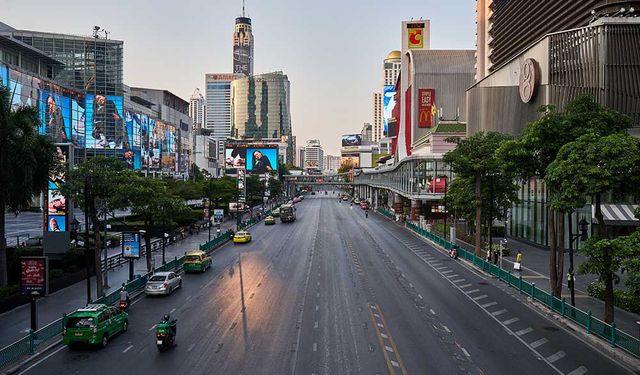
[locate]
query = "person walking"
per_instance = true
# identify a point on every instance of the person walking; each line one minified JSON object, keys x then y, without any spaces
{"x":518,"y":264}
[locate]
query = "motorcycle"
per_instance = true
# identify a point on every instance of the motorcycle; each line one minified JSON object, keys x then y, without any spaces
{"x":164,"y":336}
{"x":123,"y":305}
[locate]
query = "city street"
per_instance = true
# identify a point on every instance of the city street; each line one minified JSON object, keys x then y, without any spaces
{"x":337,"y":293}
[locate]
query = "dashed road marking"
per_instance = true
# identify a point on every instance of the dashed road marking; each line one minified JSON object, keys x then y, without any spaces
{"x":540,"y":342}
{"x":317,"y":307}
{"x":395,"y":364}
{"x":152,"y":327}
{"x":472,"y":291}
{"x":523,"y":332}
{"x":499,"y":312}
{"x":207,"y":326}
{"x":446,"y":328}
{"x":579,"y":371}
{"x":446,"y":272}
{"x":478,"y":298}
{"x":420,"y":296}
{"x":432,"y":312}
{"x":458,"y":281}
{"x":388,"y":348}
{"x":128,"y":348}
{"x":384,"y":336}
{"x":554,"y":357}
{"x":489,"y":304}
{"x":315,"y":347}
{"x":191,"y":347}
{"x":315,"y":325}
{"x":510,"y":321}
{"x":172,"y":311}
{"x":452,"y":276}
{"x":465,"y":351}
{"x":465,"y":286}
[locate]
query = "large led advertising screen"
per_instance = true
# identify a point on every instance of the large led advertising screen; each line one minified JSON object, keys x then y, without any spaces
{"x":256,"y":158}
{"x":55,"y":116}
{"x":388,"y":102}
{"x":57,"y":206}
{"x":241,"y":59}
{"x":351,"y":140}
{"x":104,"y":123}
{"x":349,"y":162}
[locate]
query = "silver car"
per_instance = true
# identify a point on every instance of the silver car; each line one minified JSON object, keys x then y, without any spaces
{"x":163,"y":283}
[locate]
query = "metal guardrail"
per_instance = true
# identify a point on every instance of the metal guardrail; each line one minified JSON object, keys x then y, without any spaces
{"x":28,"y":344}
{"x":117,"y":260}
{"x":595,"y":326}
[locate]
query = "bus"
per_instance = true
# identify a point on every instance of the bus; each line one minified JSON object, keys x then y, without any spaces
{"x":287,"y":213}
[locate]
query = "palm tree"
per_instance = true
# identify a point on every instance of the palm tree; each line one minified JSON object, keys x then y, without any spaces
{"x":25,"y":161}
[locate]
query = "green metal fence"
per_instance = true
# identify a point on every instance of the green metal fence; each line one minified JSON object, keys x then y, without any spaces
{"x":28,"y":344}
{"x":608,"y":332}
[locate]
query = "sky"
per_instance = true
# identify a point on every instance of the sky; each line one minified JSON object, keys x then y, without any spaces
{"x":331,"y":50}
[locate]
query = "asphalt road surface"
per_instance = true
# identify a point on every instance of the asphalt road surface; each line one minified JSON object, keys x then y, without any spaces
{"x":337,"y":293}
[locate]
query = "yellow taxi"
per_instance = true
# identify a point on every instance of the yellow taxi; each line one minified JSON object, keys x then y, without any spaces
{"x":242,"y":237}
{"x":196,"y":261}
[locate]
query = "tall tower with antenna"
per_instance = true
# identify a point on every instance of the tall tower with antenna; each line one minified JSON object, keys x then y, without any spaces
{"x":243,"y":45}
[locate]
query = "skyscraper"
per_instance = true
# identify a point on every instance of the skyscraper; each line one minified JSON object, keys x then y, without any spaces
{"x":218,"y":107}
{"x":196,"y":109}
{"x":377,"y":116}
{"x":313,"y":156}
{"x":243,"y":46}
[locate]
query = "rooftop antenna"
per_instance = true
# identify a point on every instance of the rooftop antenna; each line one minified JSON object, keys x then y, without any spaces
{"x":243,"y":8}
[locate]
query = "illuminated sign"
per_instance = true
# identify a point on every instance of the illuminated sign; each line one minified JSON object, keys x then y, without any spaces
{"x":130,"y":245}
{"x":33,"y":276}
{"x":415,"y":35}
{"x":426,"y":107}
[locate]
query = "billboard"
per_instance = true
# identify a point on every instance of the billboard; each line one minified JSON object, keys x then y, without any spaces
{"x":415,"y":35}
{"x":33,"y":276}
{"x":388,"y":102}
{"x":256,"y":158}
{"x":426,"y":107}
{"x":349,"y":161}
{"x":241,"y":185}
{"x":242,"y":59}
{"x":351,"y":140}
{"x":55,"y":116}
{"x":131,"y":245}
{"x":218,"y":215}
{"x":55,"y":218}
{"x":104,"y":122}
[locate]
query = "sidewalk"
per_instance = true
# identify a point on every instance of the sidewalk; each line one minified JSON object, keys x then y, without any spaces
{"x":14,"y":324}
{"x":535,"y":269}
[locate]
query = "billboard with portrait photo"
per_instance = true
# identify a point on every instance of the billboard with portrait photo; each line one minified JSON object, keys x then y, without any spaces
{"x":104,"y":122}
{"x":262,"y":160}
{"x":55,"y":116}
{"x":234,"y":157}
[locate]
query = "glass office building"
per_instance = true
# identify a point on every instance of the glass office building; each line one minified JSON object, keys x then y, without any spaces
{"x":260,"y":107}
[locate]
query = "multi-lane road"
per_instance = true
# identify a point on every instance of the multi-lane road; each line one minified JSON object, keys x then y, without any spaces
{"x":337,"y":293}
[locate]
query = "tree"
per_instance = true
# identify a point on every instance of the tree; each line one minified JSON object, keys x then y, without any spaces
{"x":151,"y":200}
{"x":475,"y":158}
{"x":255,"y":189}
{"x":275,"y":187}
{"x":591,"y":166}
{"x":25,"y":161}
{"x":537,"y":147}
{"x":99,"y":178}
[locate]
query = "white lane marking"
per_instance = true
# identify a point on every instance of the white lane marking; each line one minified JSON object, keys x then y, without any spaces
{"x":43,"y":359}
{"x":420,"y":296}
{"x":188,"y":298}
{"x":315,"y":347}
{"x":510,"y":321}
{"x":446,"y":272}
{"x":452,"y":276}
{"x":380,"y":325}
{"x":554,"y":357}
{"x":446,"y":328}
{"x":395,"y":364}
{"x":540,"y":342}
{"x":410,"y":285}
{"x":374,"y":307}
{"x":441,"y":268}
{"x":191,"y":347}
{"x":152,"y":327}
{"x":465,"y":286}
{"x":432,"y":312}
{"x":318,"y":294}
{"x":172,"y":310}
{"x":478,"y":298}
{"x":128,"y":348}
{"x":318,"y":283}
{"x":523,"y":332}
{"x":207,"y":326}
{"x":579,"y":371}
{"x":317,"y":307}
{"x":388,"y":348}
{"x":489,"y":304}
{"x":472,"y":291}
{"x":465,"y":351}
{"x":499,"y":312}
{"x":383,"y":335}
{"x":315,"y":325}
{"x":458,"y":281}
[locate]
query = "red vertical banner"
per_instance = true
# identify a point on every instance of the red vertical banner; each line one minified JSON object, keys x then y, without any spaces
{"x":426,"y":102}
{"x":407,"y":121}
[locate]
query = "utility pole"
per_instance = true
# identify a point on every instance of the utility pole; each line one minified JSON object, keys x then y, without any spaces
{"x":86,"y":236}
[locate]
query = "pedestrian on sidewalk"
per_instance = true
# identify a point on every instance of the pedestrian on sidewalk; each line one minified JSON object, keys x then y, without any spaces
{"x":518,"y":264}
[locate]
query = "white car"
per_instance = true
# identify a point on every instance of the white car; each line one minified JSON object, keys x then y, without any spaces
{"x":163,"y":283}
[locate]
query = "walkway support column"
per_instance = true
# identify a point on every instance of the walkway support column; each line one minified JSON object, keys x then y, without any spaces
{"x":398,"y":204}
{"x":416,"y":209}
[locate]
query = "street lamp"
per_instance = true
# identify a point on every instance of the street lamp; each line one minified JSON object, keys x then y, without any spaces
{"x":583,"y":235}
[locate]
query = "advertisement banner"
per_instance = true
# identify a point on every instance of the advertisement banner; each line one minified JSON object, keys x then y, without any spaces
{"x":104,"y":123}
{"x":55,"y":218}
{"x":131,"y":245}
{"x":426,"y":107}
{"x":241,"y":185}
{"x":415,"y":35}
{"x":33,"y":276}
{"x":351,"y":140}
{"x":388,"y":102}
{"x":241,"y":59}
{"x":55,"y":116}
{"x":254,"y":158}
{"x":218,"y":215}
{"x":349,"y":162}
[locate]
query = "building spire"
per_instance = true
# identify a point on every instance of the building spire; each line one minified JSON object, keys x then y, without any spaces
{"x":242,"y":8}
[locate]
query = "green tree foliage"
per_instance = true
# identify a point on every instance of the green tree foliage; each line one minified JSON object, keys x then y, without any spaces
{"x":530,"y":155}
{"x":154,"y":203}
{"x":255,"y":190}
{"x":461,"y":198}
{"x":275,"y":187}
{"x":99,"y":178}
{"x":25,"y":161}
{"x":186,"y":189}
{"x":474,"y":159}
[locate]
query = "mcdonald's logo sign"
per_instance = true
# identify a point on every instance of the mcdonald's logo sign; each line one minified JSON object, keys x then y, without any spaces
{"x":426,"y":106}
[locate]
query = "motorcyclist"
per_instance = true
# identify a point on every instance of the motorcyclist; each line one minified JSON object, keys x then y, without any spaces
{"x":124,"y":295}
{"x":366,"y":213}
{"x":173,"y":323}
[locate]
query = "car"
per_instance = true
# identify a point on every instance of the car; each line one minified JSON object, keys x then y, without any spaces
{"x":364,"y":205}
{"x":356,"y":201}
{"x":269,"y":220}
{"x":196,"y":261}
{"x":275,"y":212}
{"x":313,"y":193}
{"x":345,"y":198}
{"x":242,"y":237}
{"x":163,"y":283}
{"x":94,"y":324}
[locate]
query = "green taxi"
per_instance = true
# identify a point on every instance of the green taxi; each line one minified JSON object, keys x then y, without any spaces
{"x":275,"y":212}
{"x":196,"y":261}
{"x":269,"y":220}
{"x":94,"y":324}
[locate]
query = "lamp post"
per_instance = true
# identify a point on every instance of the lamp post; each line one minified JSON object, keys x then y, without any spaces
{"x":584,"y":225}
{"x":445,"y":207}
{"x":210,"y":209}
{"x":86,"y":236}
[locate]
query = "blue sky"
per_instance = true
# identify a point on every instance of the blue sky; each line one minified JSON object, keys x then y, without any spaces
{"x":331,"y":50}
